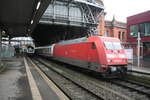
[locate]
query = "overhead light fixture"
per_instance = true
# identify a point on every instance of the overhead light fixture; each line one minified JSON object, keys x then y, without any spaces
{"x":38,"y":5}
{"x":31,"y":21}
{"x":29,"y":30}
{"x":3,"y":32}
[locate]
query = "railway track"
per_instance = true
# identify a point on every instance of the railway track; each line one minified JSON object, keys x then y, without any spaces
{"x":139,"y":77}
{"x":134,"y":86}
{"x":129,"y":90}
{"x":142,"y":73}
{"x":93,"y":86}
{"x":137,"y":73}
{"x":2,"y":68}
{"x":78,"y":91}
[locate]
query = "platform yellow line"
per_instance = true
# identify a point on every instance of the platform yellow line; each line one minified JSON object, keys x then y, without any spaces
{"x":58,"y":92}
{"x":34,"y":89}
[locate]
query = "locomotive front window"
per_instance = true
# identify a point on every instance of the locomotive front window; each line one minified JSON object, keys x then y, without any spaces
{"x":117,"y":45}
{"x":112,"y":45}
{"x":109,"y":45}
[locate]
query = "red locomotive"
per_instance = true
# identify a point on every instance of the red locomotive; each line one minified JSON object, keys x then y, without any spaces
{"x":104,"y":55}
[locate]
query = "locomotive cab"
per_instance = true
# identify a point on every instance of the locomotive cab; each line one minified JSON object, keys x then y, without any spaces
{"x":115,"y":56}
{"x":111,"y":55}
{"x":103,"y":55}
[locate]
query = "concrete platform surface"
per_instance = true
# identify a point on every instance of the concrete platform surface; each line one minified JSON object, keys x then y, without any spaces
{"x":13,"y":81}
{"x":22,"y":81}
{"x":144,"y":66}
{"x":141,"y":69}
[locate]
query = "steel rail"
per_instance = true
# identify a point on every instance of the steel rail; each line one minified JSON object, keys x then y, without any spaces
{"x":117,"y":94}
{"x":134,"y":86}
{"x":133,"y":71}
{"x":74,"y":82}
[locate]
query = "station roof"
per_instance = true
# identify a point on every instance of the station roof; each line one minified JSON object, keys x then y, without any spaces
{"x":19,"y":17}
{"x":95,"y":3}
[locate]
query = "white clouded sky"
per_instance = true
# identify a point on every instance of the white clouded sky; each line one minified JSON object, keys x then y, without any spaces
{"x":124,"y":8}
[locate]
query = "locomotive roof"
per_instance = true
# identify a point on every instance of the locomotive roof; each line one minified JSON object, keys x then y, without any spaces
{"x":78,"y":40}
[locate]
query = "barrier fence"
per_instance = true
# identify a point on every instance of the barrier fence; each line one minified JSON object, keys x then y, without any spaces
{"x":6,"y":51}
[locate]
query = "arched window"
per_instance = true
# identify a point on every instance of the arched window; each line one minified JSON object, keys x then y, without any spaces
{"x":107,"y":33}
{"x":123,"y":33}
{"x":119,"y":35}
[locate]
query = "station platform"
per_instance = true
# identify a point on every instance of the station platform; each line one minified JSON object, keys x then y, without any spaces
{"x":143,"y":68}
{"x":20,"y":81}
{"x":13,"y":81}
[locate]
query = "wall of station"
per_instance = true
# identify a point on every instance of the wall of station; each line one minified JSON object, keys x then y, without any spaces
{"x":63,"y":13}
{"x":139,"y":23}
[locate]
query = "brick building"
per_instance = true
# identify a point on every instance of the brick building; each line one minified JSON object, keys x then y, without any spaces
{"x":112,"y":28}
{"x":139,"y":22}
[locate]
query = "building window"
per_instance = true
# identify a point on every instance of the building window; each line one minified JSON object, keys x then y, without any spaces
{"x":122,"y":35}
{"x":119,"y":35}
{"x":134,"y":30}
{"x":106,"y":33}
{"x":144,"y":29}
{"x":147,"y":29}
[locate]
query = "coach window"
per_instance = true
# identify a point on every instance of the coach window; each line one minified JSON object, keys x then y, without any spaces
{"x":49,"y":49}
{"x":93,"y":46}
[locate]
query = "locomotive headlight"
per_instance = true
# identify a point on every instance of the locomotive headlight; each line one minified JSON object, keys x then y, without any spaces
{"x":129,"y":68}
{"x":109,"y":60}
{"x":113,"y":69}
{"x":110,"y":56}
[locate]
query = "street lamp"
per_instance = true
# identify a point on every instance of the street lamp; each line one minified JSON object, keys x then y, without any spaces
{"x":139,"y":38}
{"x":138,"y":45}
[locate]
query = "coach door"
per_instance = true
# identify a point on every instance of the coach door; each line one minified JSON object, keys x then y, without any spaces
{"x":92,"y":56}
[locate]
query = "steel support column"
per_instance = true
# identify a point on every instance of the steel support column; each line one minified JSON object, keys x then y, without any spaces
{"x":9,"y":40}
{"x":1,"y":64}
{"x":0,"y":36}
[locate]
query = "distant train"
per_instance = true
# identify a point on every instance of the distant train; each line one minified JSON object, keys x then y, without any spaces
{"x":104,"y":55}
{"x":30,"y":50}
